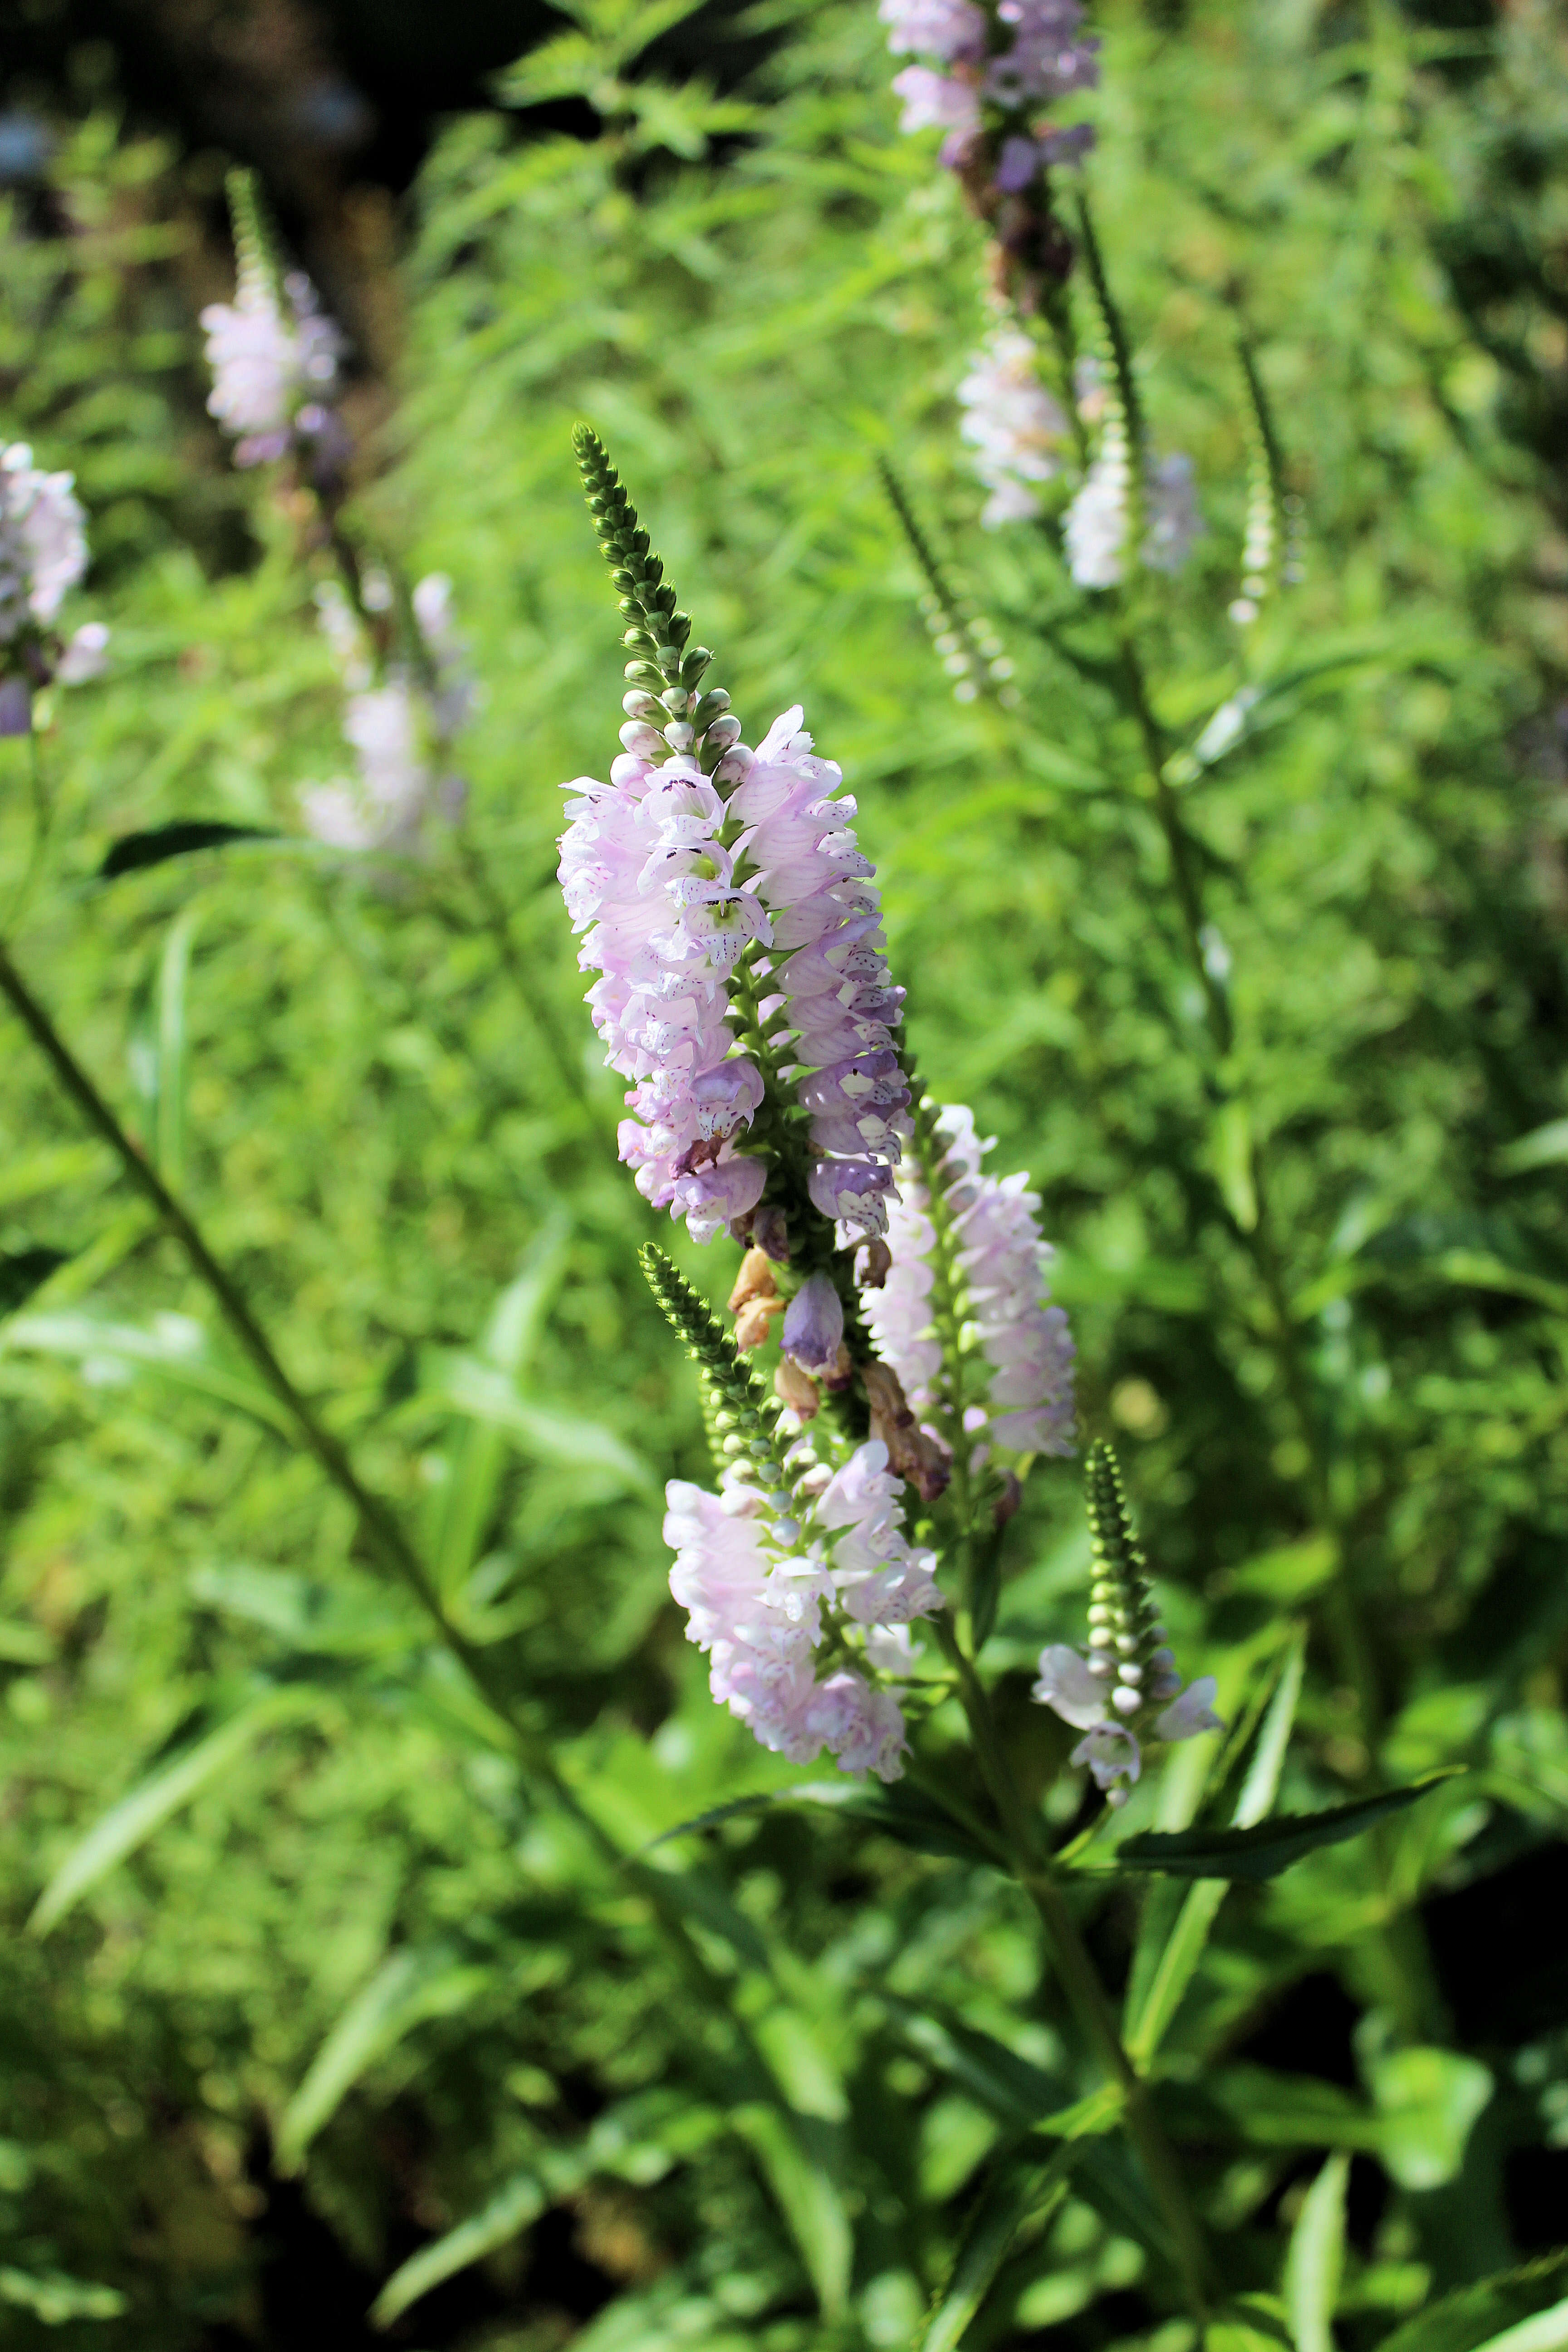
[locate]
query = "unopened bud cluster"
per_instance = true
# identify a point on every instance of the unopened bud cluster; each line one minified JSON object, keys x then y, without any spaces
{"x":1126,"y":1638}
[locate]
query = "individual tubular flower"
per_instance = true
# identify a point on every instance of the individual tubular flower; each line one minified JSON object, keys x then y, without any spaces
{"x":1127,"y":1691}
{"x":991,"y":1255}
{"x":272,"y":350}
{"x":767,"y":1570}
{"x":1013,"y":424}
{"x":828,"y":970}
{"x":400,"y":725}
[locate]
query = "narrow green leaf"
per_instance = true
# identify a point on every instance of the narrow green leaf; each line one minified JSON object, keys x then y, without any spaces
{"x":418,"y":1983}
{"x":1254,"y":1854}
{"x":1547,"y":2332}
{"x":1015,"y":2192}
{"x":55,"y":2298}
{"x":1231,"y":1154}
{"x":476,"y":1455}
{"x":174,"y":1348}
{"x":1485,"y":2317}
{"x":1544,"y":1146}
{"x":1178,"y":1961}
{"x":484,"y":1392}
{"x":182,"y":838}
{"x":24,"y":1271}
{"x":49,"y":1171}
{"x":348,"y":1616}
{"x":133,"y":1820}
{"x":808,"y":2195}
{"x":902,"y":1811}
{"x":173,"y":971}
{"x":1316,"y":2258}
{"x":515,"y":2204}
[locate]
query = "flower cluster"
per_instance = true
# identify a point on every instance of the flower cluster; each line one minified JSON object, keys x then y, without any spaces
{"x":828,"y":975}
{"x":764,"y":1594}
{"x":43,"y":555}
{"x":400,"y":723}
{"x":1127,"y":1690}
{"x":1096,"y":524}
{"x":274,"y":369}
{"x":1000,"y":1265}
{"x":1013,"y":424}
{"x":996,"y":66}
{"x":647,"y":878}
{"x":274,"y":355}
{"x":712,"y":882}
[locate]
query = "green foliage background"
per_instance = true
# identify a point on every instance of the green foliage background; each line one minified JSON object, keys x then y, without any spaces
{"x":384,"y":1105}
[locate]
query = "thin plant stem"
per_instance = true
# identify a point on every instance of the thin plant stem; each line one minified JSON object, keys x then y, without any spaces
{"x":378,"y":1523}
{"x":1080,"y":1983}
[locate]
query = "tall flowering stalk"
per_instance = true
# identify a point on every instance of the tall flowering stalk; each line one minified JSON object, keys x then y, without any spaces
{"x":742,"y":988}
{"x":274,"y":355}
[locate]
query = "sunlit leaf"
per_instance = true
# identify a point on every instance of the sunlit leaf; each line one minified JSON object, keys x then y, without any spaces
{"x":518,"y":2202}
{"x":416,"y":1982}
{"x":1497,"y":2316}
{"x":1017,"y":2191}
{"x":1316,"y":2259}
{"x":174,"y":1783}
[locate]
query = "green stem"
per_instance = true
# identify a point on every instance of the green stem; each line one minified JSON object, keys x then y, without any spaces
{"x":1080,"y":1983}
{"x":380,"y":1527}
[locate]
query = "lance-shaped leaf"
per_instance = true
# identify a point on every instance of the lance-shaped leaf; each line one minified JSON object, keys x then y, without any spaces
{"x":486,"y":1394}
{"x":182,"y":837}
{"x":1518,"y":2311}
{"x":174,"y":1783}
{"x":1262,"y":1853}
{"x":1160,"y":1995}
{"x":173,"y":1347}
{"x":1316,"y":2258}
{"x":795,"y":2155}
{"x":24,"y":1271}
{"x":417,"y":1982}
{"x":515,"y":2204}
{"x":1020,"y":2188}
{"x":904,"y":1813}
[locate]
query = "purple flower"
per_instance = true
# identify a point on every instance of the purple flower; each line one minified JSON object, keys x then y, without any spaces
{"x":828,"y":967}
{"x":756,"y":1600}
{"x":16,"y":707}
{"x":43,"y":542}
{"x":952,"y":30}
{"x":934,"y":102}
{"x":646,"y":877}
{"x":1015,"y":165}
{"x":1014,"y":426}
{"x":1079,"y":1690}
{"x":814,"y":1325}
{"x":1004,"y":1267}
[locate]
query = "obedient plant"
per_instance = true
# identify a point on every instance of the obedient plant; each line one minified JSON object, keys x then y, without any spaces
{"x":43,"y":555}
{"x":403,"y":665}
{"x":743,"y":991}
